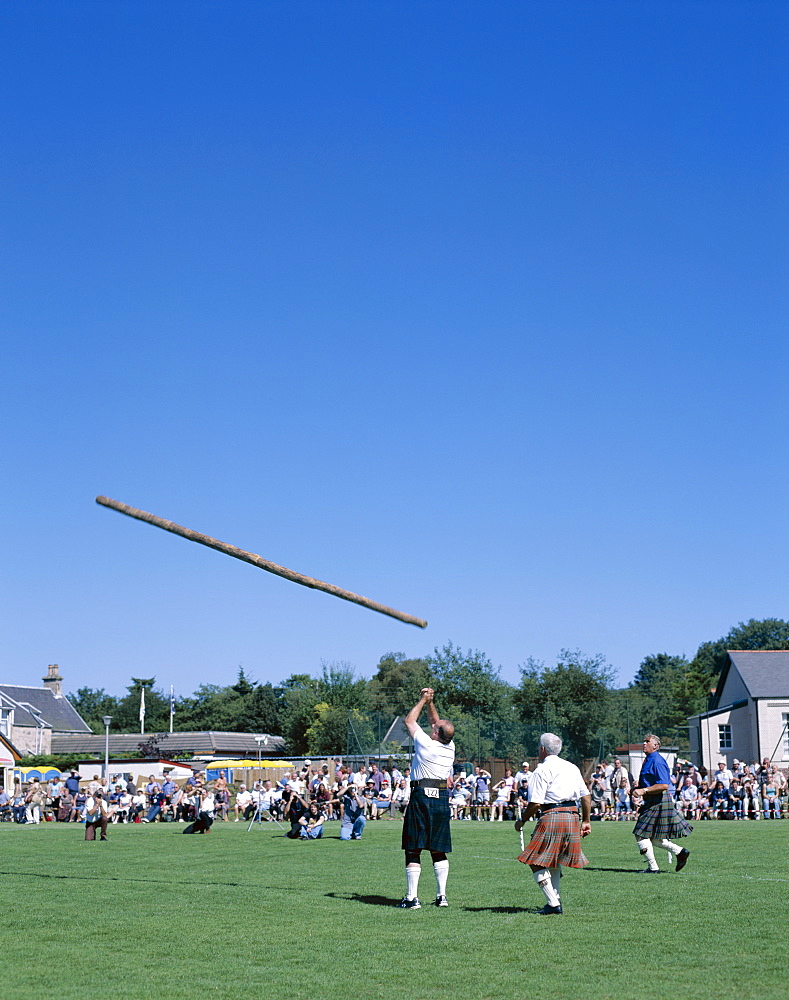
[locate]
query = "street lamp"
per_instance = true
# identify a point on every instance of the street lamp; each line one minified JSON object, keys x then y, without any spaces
{"x":106,"y":720}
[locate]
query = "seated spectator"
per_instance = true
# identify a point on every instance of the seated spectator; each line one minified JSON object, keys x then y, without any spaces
{"x":752,"y":803}
{"x":137,"y":806}
{"x":719,"y":801}
{"x":400,"y":796}
{"x":737,"y":799}
{"x":352,"y":821}
{"x":459,"y":800}
{"x":222,"y":800}
{"x":79,"y":804}
{"x":243,"y":801}
{"x":18,"y":806}
{"x":124,"y":807}
{"x":157,"y":802}
{"x":703,"y":801}
{"x":688,"y":799}
{"x":113,"y":803}
{"x":368,"y":794}
{"x":66,"y":806}
{"x":771,"y":799}
{"x":383,"y":801}
{"x":6,"y":811}
{"x":312,"y":823}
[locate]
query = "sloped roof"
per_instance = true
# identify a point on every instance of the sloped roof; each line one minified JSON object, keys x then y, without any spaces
{"x":56,"y":713}
{"x":765,"y":672}
{"x":397,"y":733}
{"x":217,"y":744}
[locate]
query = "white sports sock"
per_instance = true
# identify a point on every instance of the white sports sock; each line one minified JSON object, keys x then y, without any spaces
{"x":543,"y":879}
{"x":441,"y":868}
{"x":412,"y":873}
{"x":556,"y":874}
{"x":667,"y":845}
{"x":646,"y":848}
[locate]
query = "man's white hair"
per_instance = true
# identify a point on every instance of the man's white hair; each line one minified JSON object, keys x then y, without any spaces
{"x":551,"y":742}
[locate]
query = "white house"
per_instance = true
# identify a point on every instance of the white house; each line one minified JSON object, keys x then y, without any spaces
{"x":750,"y":712}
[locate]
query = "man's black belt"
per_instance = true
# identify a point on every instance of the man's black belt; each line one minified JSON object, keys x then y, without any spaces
{"x":428,"y":783}
{"x":558,"y":805}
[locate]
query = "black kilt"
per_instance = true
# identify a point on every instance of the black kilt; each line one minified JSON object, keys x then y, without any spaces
{"x":426,"y":822}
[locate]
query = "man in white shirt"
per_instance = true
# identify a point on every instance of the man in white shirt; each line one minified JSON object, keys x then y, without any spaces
{"x":426,"y":820}
{"x":243,"y":800}
{"x":555,"y":789}
{"x":723,"y":774}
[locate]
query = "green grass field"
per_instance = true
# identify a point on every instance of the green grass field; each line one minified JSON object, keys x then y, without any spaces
{"x":151,"y":913}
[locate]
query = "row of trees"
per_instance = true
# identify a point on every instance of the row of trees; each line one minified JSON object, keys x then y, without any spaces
{"x":339,"y":712}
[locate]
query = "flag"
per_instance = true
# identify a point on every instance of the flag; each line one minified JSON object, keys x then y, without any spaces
{"x":142,"y":708}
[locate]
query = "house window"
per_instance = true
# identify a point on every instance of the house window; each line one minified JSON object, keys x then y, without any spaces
{"x":724,"y":737}
{"x":785,"y":718}
{"x":5,"y":721}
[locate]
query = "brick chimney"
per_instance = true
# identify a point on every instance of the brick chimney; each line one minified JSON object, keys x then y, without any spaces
{"x":53,"y":680}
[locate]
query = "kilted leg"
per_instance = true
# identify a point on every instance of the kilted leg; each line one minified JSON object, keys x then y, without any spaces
{"x":556,"y":840}
{"x":661,"y":821}
{"x":426,"y":822}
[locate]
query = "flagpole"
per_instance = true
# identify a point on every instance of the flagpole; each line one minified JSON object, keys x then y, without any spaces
{"x":172,"y":707}
{"x":142,"y":710}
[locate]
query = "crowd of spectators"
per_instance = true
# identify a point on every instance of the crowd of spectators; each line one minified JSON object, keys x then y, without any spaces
{"x":305,"y":799}
{"x":743,"y":792}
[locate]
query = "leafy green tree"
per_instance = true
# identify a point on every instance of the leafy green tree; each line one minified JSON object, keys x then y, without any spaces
{"x":570,"y":699}
{"x":394,"y":688}
{"x":157,"y":708}
{"x":93,"y":704}
{"x":467,"y":682}
{"x":710,"y":658}
{"x":300,"y":694}
{"x":340,"y":688}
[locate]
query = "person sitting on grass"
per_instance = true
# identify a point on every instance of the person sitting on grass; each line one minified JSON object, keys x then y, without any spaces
{"x":312,"y":823}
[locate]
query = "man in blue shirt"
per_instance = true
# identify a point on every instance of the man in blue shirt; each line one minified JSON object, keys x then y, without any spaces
{"x":658,"y":819}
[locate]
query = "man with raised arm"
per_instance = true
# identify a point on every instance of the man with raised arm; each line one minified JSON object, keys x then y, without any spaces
{"x":426,"y":820}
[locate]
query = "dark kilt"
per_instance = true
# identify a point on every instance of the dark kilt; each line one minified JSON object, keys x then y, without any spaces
{"x":661,"y":820}
{"x":426,"y":822}
{"x":556,"y":840}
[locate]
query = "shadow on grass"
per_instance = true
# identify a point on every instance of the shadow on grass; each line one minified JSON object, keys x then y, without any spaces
{"x":500,"y":909}
{"x":355,"y":897}
{"x":626,"y":871}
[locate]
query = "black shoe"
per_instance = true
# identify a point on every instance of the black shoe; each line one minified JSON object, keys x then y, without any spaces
{"x":441,"y":901}
{"x":410,"y":904}
{"x":649,"y":871}
{"x":549,"y":911}
{"x":682,"y":859}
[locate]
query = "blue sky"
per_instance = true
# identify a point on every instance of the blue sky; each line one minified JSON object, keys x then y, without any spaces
{"x":478,"y":310}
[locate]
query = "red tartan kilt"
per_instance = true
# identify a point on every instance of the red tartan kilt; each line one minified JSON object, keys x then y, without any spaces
{"x":556,"y":840}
